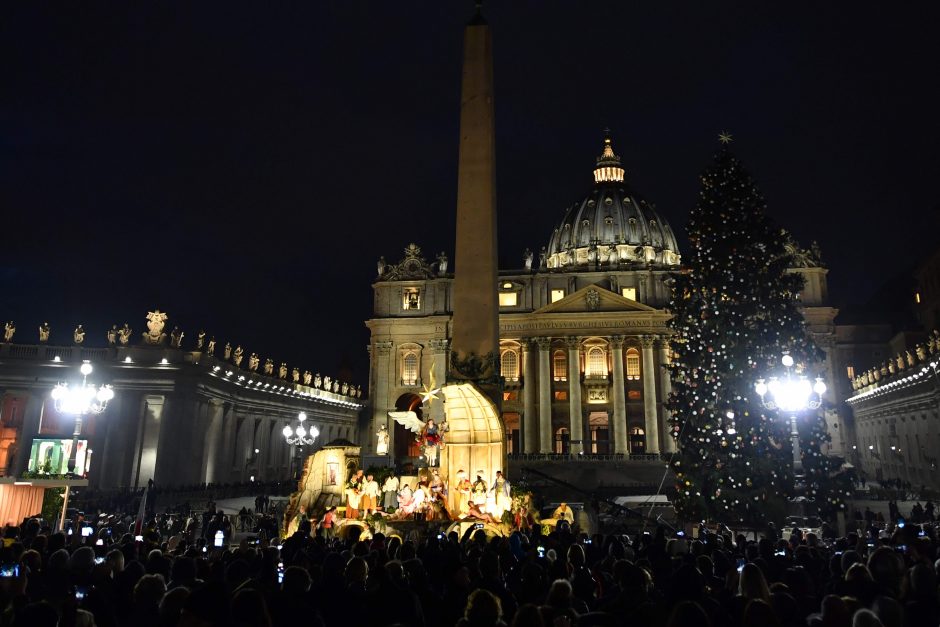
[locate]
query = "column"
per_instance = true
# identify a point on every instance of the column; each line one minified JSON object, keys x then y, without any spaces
{"x":381,"y":364}
{"x":665,"y":389}
{"x":649,"y":396}
{"x":619,"y":422}
{"x":529,"y":427}
{"x":148,"y":439}
{"x":545,"y":395}
{"x":574,"y":395}
{"x":213,"y":440}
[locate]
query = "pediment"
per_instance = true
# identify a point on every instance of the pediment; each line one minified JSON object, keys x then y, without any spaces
{"x":594,"y":298}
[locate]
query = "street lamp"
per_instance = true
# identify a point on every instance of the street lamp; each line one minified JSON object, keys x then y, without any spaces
{"x":299,"y":436}
{"x":80,"y":402}
{"x":791,"y":394}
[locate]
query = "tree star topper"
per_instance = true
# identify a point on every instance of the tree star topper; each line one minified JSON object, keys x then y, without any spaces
{"x":725,"y":137}
{"x":430,"y":391}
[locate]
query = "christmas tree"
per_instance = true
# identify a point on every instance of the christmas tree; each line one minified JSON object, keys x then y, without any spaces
{"x":736,"y":312}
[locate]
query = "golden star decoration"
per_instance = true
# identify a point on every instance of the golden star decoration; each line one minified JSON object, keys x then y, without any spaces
{"x":429,"y":394}
{"x":725,"y":137}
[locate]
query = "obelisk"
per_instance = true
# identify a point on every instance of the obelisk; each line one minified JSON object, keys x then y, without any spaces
{"x":475,"y":338}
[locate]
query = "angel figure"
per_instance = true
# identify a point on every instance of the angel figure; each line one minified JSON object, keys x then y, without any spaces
{"x":429,"y":435}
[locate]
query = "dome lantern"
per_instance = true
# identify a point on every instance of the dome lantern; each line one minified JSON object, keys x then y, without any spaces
{"x":609,"y":169}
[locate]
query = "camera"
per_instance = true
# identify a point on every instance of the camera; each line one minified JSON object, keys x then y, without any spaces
{"x":741,"y":563}
{"x":440,"y":536}
{"x":87,"y":531}
{"x":541,"y":551}
{"x":588,"y":541}
{"x":99,"y":542}
{"x":99,"y":560}
{"x":680,"y":534}
{"x":80,"y":594}
{"x":478,"y":526}
{"x":780,"y":553}
{"x":138,"y":538}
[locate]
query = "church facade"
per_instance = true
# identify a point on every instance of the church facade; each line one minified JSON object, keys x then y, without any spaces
{"x":583,"y":338}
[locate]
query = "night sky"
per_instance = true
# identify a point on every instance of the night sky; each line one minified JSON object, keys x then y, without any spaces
{"x":243,"y":165}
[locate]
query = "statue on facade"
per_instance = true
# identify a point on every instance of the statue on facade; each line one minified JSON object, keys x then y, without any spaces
{"x":543,"y":257}
{"x":381,"y":446}
{"x":910,"y":358}
{"x":877,"y":374}
{"x":282,"y":371}
{"x":253,"y":362}
{"x":358,"y":391}
{"x":155,"y":323}
{"x":921,"y":353}
{"x":900,"y":361}
{"x":931,"y":344}
{"x":237,"y":355}
{"x":78,"y":334}
{"x":613,"y":257}
{"x":317,"y":381}
{"x":200,"y":339}
{"x":269,"y":366}
{"x":227,"y":351}
{"x":527,"y":258}
{"x":344,"y":389}
{"x":891,"y":367}
{"x":210,"y":347}
{"x":326,"y":383}
{"x":336,"y":386}
{"x":308,"y":377}
{"x":295,"y":375}
{"x":176,"y":338}
{"x":884,"y":370}
{"x":112,"y":335}
{"x":44,"y":331}
{"x":380,"y":266}
{"x":8,"y":330}
{"x":441,"y":263}
{"x":124,"y":334}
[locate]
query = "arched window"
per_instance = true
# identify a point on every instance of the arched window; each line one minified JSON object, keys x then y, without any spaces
{"x":562,"y":441}
{"x":633,"y":364}
{"x":560,"y":366}
{"x":509,"y":365}
{"x":596,"y":362}
{"x":637,"y":441}
{"x":409,"y":369}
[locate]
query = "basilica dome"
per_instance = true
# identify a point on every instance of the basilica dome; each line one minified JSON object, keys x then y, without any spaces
{"x":612,"y":226}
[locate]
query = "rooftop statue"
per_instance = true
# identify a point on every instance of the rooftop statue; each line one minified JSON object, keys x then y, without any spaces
{"x":176,"y":338}
{"x":282,"y":371}
{"x":78,"y":334}
{"x":308,"y":377}
{"x":527,"y":258}
{"x":441,"y":263}
{"x":238,"y":355}
{"x":268,"y":366}
{"x":317,"y":381}
{"x":227,"y":351}
{"x":253,"y":362}
{"x":112,"y":335}
{"x":200,"y":339}
{"x":155,"y":323}
{"x":124,"y":334}
{"x":8,"y":330}
{"x":210,"y":347}
{"x":295,"y":375}
{"x":44,"y":331}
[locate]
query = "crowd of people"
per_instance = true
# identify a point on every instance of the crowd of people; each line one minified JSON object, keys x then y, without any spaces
{"x":881,"y":576}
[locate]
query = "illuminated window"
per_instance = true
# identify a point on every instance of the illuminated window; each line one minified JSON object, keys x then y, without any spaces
{"x":562,"y":441}
{"x":409,"y":369}
{"x":560,"y":366}
{"x":511,"y":396}
{"x":596,"y":362}
{"x":411,"y":298}
{"x":850,"y":371}
{"x":561,"y":395}
{"x":507,"y":286}
{"x":917,"y":297}
{"x":634,"y":395}
{"x":509,"y":364}
{"x":557,"y":295}
{"x":628,"y":292}
{"x":633,"y":364}
{"x":508,"y":299}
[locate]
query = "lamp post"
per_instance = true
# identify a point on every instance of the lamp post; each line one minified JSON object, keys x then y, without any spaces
{"x":792,"y":394}
{"x":299,"y":436}
{"x":80,"y":402}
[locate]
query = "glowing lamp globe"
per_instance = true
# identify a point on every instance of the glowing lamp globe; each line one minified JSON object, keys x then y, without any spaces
{"x":85,"y":369}
{"x":287,"y":431}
